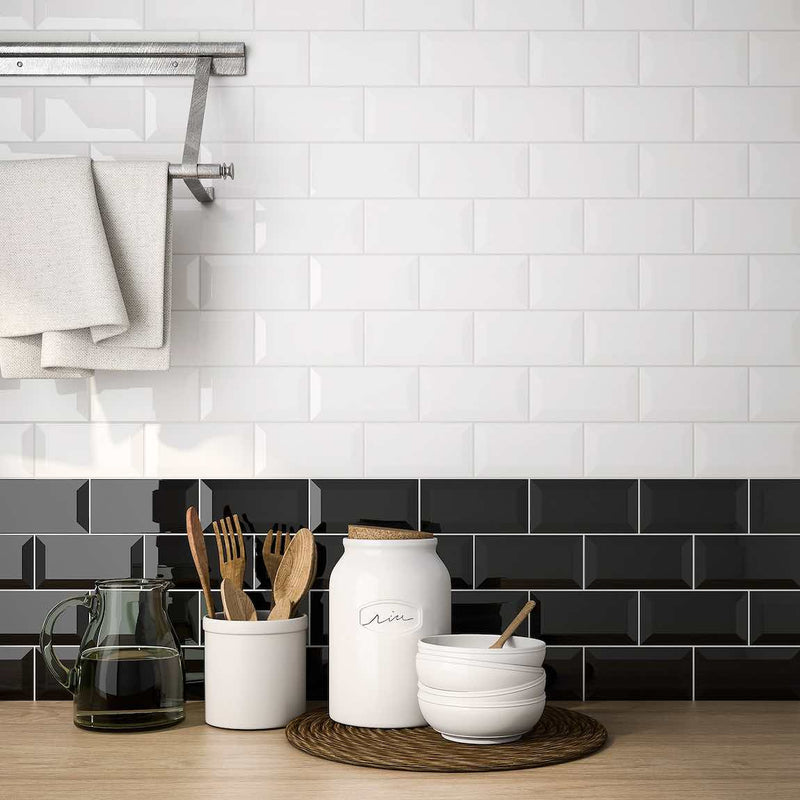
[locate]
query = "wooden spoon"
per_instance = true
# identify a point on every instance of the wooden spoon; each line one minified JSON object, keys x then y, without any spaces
{"x":513,"y":625}
{"x":197,"y":544}
{"x":236,"y":604}
{"x":295,"y":574}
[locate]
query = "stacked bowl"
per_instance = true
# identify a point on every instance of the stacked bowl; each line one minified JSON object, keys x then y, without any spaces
{"x":475,"y":695}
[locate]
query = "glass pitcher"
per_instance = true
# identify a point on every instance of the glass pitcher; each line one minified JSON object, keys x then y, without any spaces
{"x":129,"y":670}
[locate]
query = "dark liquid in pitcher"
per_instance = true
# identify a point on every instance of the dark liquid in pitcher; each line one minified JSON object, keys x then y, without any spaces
{"x":125,"y":688}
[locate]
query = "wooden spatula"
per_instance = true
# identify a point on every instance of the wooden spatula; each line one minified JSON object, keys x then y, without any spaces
{"x":236,"y":604}
{"x":513,"y":625}
{"x":197,"y":544}
{"x":295,"y":574}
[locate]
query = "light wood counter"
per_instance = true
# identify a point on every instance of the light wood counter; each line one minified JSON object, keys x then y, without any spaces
{"x":703,"y":751}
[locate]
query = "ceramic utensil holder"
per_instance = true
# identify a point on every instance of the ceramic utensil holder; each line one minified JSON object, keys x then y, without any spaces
{"x":255,"y":672}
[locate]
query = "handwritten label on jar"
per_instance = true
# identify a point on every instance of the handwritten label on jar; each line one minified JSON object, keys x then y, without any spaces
{"x":390,"y":616}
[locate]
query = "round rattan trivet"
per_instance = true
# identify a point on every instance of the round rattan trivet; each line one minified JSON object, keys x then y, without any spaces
{"x":561,"y":735}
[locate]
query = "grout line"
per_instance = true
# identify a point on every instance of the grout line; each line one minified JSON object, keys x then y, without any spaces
{"x":583,"y":674}
{"x":694,"y":658}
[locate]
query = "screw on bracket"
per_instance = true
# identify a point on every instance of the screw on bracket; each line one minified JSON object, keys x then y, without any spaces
{"x":19,"y":63}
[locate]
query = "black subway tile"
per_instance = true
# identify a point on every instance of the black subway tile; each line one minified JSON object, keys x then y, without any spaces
{"x":262,"y":505}
{"x":16,"y":562}
{"x":584,"y":506}
{"x":775,"y":618}
{"x":456,"y":553}
{"x":694,"y":618}
{"x":487,"y":612}
{"x":183,"y":611}
{"x":752,"y":673}
{"x":475,"y":506}
{"x":528,"y":562}
{"x":694,"y":506}
{"x":77,"y":562}
{"x":318,"y":604}
{"x":44,"y":506}
{"x":329,"y":550}
{"x":142,"y":506}
{"x":638,"y":562}
{"x":335,"y":504}
{"x":775,"y":506}
{"x":747,"y":562}
{"x":638,"y":673}
{"x":316,"y":674}
{"x":585,"y":617}
{"x":16,"y":673}
{"x":22,"y":613}
{"x":47,"y":687}
{"x":193,"y":664}
{"x":564,"y":669}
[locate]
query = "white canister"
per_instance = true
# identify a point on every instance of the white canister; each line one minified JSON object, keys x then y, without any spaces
{"x":385,"y":594}
{"x":255,"y":672}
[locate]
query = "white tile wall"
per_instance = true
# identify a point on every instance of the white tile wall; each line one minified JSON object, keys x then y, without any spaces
{"x":466,"y":238}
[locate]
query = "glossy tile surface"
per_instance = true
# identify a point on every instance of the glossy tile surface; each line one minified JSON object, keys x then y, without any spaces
{"x":528,"y":562}
{"x":76,"y":562}
{"x":563,"y":667}
{"x":456,"y":553}
{"x":261,"y":504}
{"x":775,"y":618}
{"x":747,"y":562}
{"x":487,"y":612}
{"x":694,"y":618}
{"x":638,"y":562}
{"x":585,"y":618}
{"x":16,"y":673}
{"x":316,"y":673}
{"x":774,"y":506}
{"x":47,"y":687}
{"x":633,"y":673}
{"x":44,"y":506}
{"x":16,"y":562}
{"x":142,"y":506}
{"x":475,"y":506}
{"x":757,"y":673}
{"x":694,"y":506}
{"x":23,"y":611}
{"x":337,"y":503}
{"x":588,"y":506}
{"x":193,"y":664}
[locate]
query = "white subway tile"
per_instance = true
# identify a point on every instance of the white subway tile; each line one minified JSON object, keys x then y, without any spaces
{"x":243,"y":394}
{"x":775,"y":394}
{"x":775,"y":170}
{"x":17,"y":15}
{"x":584,"y":58}
{"x":583,"y":282}
{"x":584,"y":394}
{"x":541,"y":450}
{"x":16,"y":450}
{"x":83,"y":113}
{"x":418,"y":114}
{"x":218,"y":449}
{"x":474,"y":58}
{"x":364,"y":394}
{"x":474,"y":394}
{"x":473,"y":170}
{"x":584,"y":170}
{"x":693,"y":170}
{"x":528,"y":14}
{"x":693,"y":394}
{"x":529,"y":115}
{"x":528,"y":226}
{"x":276,"y":58}
{"x":228,"y":117}
{"x":473,"y":282}
{"x":763,"y":450}
{"x":16,"y":151}
{"x":364,"y":170}
{"x":169,"y":396}
{"x":743,"y":14}
{"x":418,"y":226}
{"x":86,"y":450}
{"x":209,"y":14}
{"x":309,"y":14}
{"x":412,"y":450}
{"x":775,"y":282}
{"x":774,"y":59}
{"x":647,"y":450}
{"x":747,"y":114}
{"x":212,"y":338}
{"x":309,"y":226}
{"x":312,"y":114}
{"x":79,"y":14}
{"x":418,"y":337}
{"x":696,"y":58}
{"x":746,"y":226}
{"x":185,"y":282}
{"x":422,"y":14}
{"x":638,"y":114}
{"x":638,"y":226}
{"x":528,"y":337}
{"x":364,"y":58}
{"x":638,"y":337}
{"x":636,"y":14}
{"x":224,"y":226}
{"x":253,"y":282}
{"x":364,"y":282}
{"x":309,"y":337}
{"x":689,"y":282}
{"x":44,"y":401}
{"x":747,"y":337}
{"x":16,"y":114}
{"x":300,"y":449}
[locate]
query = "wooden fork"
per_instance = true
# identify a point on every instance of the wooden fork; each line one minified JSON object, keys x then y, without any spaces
{"x":230,"y":547}
{"x":274,"y":547}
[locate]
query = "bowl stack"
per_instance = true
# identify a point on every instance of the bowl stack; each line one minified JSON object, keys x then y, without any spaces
{"x":475,"y":695}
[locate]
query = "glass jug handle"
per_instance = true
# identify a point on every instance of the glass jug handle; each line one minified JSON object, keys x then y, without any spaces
{"x":60,"y":672}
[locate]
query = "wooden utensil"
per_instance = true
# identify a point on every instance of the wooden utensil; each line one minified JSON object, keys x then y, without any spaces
{"x":230,"y":546}
{"x":275,"y":545}
{"x":513,"y":625}
{"x":197,"y":544}
{"x":236,"y":604}
{"x":295,"y":574}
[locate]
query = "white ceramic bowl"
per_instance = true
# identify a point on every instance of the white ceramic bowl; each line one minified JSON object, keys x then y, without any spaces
{"x":459,"y":675}
{"x":515,"y":694}
{"x":518,"y":650}
{"x":475,"y":725}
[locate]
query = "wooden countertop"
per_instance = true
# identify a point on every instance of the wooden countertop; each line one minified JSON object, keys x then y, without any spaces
{"x":703,"y":751}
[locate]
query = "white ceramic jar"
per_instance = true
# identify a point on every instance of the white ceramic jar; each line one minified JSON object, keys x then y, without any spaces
{"x":385,"y":594}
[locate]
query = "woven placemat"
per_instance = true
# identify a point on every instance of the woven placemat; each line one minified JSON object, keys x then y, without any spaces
{"x":561,"y":735}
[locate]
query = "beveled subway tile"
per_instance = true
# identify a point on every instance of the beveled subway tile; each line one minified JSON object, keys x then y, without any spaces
{"x":747,"y":562}
{"x":775,"y":618}
{"x":694,"y":506}
{"x":638,"y":562}
{"x":89,"y":113}
{"x":584,"y":506}
{"x":318,"y":627}
{"x":16,"y":673}
{"x":456,"y":553}
{"x":17,"y":114}
{"x":337,"y":503}
{"x":47,"y":687}
{"x":316,"y":673}
{"x":694,"y":618}
{"x":474,"y":506}
{"x":194,"y":666}
{"x":528,"y":562}
{"x":76,"y":562}
{"x":16,"y":562}
{"x":585,"y":617}
{"x":261,"y":504}
{"x":774,"y":507}
{"x":141,"y":506}
{"x":752,"y":673}
{"x":22,"y":612}
{"x":183,"y":610}
{"x":564,"y":669}
{"x":487,"y":612}
{"x":638,"y":673}
{"x":44,"y":506}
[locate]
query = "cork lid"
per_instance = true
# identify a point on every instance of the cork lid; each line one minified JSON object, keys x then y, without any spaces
{"x":372,"y":532}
